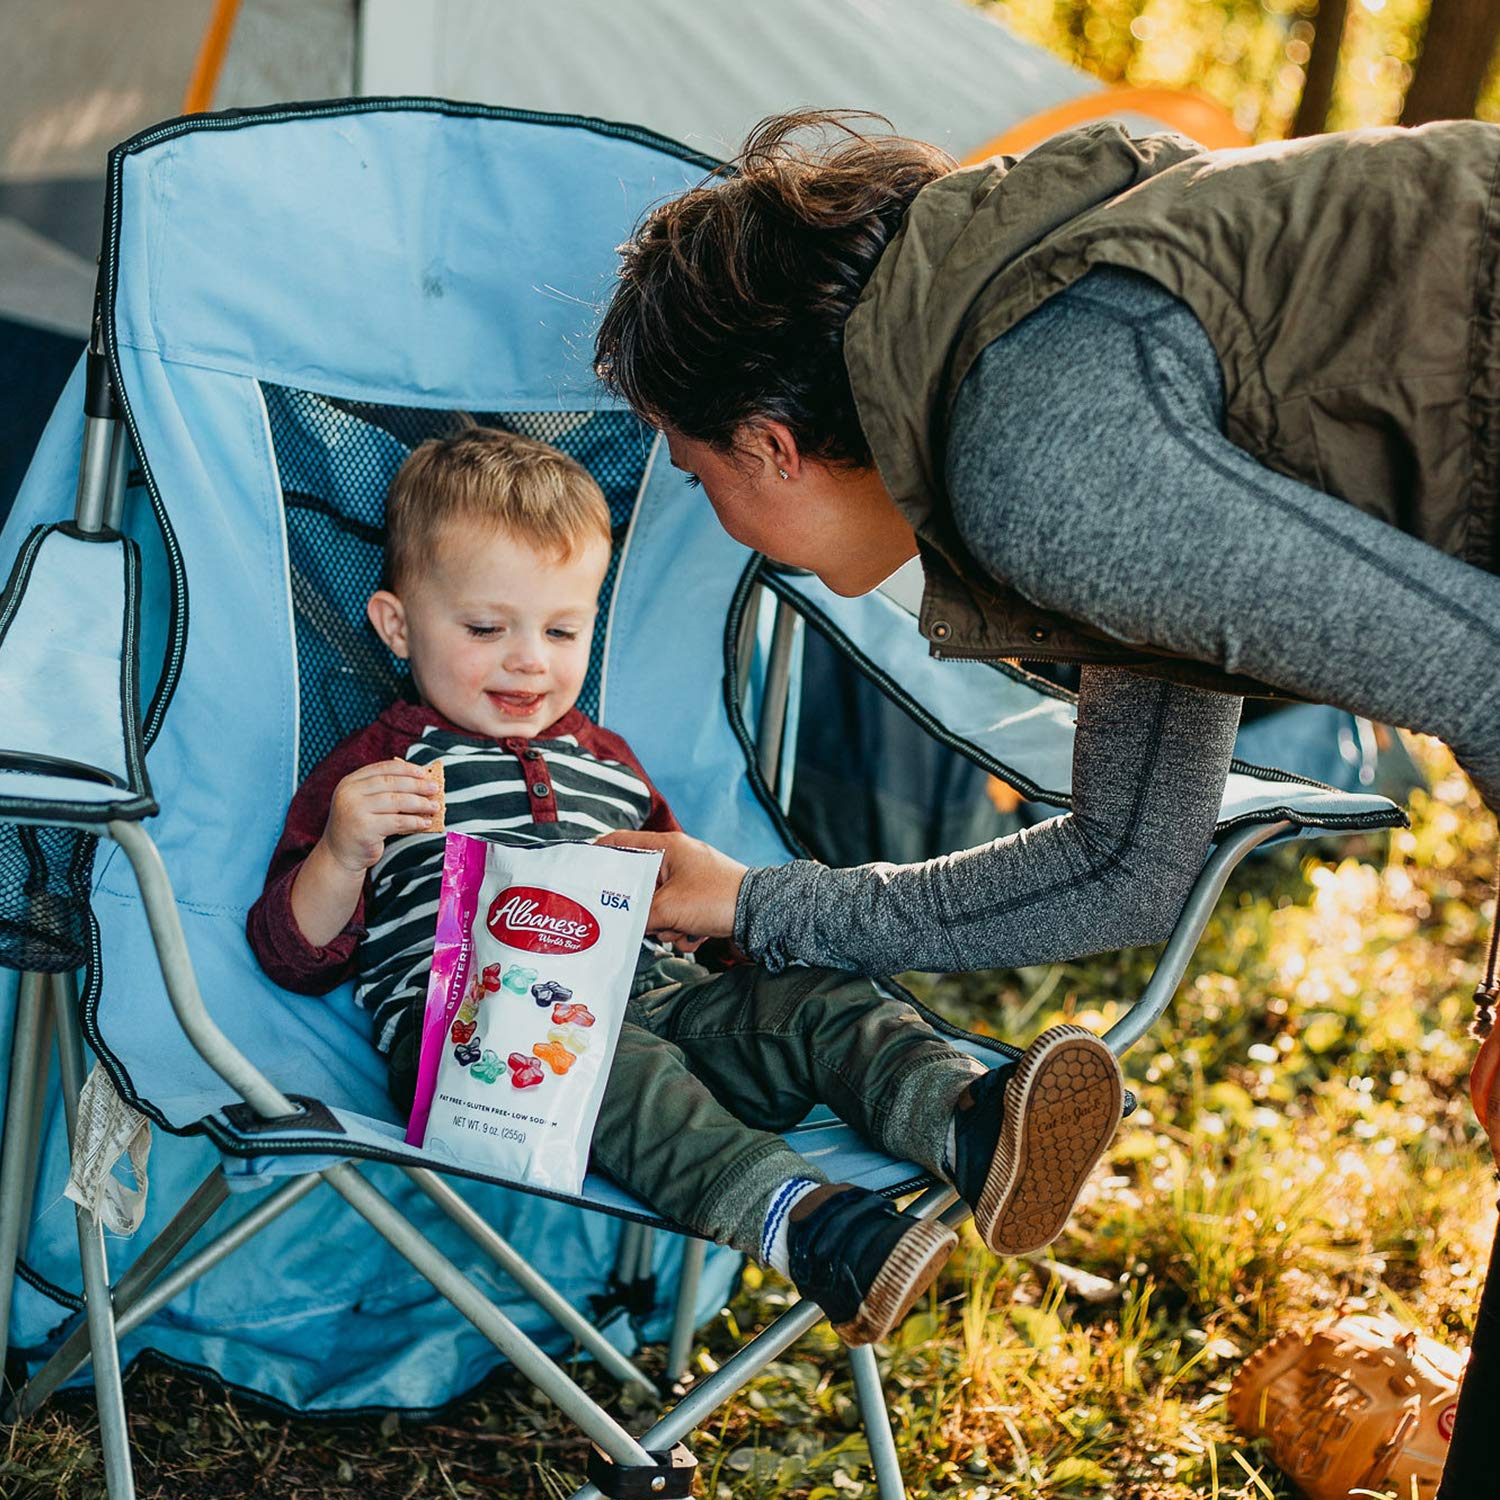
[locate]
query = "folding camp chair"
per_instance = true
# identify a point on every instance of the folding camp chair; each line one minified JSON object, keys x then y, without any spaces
{"x":290,"y":299}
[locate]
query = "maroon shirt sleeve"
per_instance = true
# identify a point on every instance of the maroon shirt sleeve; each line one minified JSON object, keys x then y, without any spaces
{"x":277,"y":941}
{"x":609,"y":746}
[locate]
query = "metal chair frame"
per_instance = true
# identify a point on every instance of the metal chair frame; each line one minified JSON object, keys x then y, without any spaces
{"x":50,"y":1002}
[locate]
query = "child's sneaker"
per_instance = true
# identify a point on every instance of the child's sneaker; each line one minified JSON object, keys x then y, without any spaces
{"x":864,"y":1262}
{"x":1025,"y":1146}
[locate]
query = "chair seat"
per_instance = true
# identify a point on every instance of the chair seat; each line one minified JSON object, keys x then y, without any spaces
{"x":253,"y":1161}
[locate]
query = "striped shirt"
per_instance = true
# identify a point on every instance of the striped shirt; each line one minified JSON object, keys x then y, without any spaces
{"x":572,"y":781}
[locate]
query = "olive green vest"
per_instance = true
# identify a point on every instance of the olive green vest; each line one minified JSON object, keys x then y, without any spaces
{"x":1349,"y":283}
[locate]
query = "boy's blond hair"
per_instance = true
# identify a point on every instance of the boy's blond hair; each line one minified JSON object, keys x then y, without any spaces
{"x":513,"y":484}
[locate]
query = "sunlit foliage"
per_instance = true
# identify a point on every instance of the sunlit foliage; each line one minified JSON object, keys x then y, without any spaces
{"x":1249,"y":55}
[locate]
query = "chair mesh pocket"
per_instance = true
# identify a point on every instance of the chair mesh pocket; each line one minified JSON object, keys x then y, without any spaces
{"x":44,"y":897}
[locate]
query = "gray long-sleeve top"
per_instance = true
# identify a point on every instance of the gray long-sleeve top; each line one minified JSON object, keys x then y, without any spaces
{"x":1087,"y":468}
{"x":1149,"y":762}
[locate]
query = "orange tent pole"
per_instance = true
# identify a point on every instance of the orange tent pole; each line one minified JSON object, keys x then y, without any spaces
{"x":211,"y":51}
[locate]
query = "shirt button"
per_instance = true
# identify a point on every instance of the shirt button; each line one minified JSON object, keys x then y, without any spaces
{"x":941,"y":630}
{"x":1039,"y":634}
{"x":540,"y":789}
{"x":531,"y":755}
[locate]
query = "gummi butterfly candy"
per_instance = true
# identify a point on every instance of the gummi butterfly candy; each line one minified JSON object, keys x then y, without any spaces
{"x":466,"y":1055}
{"x":576,"y":1014}
{"x":525,"y":1072}
{"x":550,"y":992}
{"x":488,"y":1068}
{"x":568,"y":1036}
{"x":462,"y":1031}
{"x":468,"y":1010}
{"x":490,"y":980}
{"x":517,"y":978}
{"x":555,"y":1055}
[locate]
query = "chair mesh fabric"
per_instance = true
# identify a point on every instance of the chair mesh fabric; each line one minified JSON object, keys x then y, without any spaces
{"x":336,"y":459}
{"x":44,"y":897}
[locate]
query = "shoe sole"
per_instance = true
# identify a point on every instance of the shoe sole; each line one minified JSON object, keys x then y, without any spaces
{"x":910,"y":1268}
{"x":1062,"y":1109}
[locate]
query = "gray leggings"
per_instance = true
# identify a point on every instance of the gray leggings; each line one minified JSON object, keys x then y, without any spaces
{"x":1088,"y":469}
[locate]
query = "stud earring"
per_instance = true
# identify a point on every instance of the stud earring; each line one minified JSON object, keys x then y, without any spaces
{"x":782,"y":472}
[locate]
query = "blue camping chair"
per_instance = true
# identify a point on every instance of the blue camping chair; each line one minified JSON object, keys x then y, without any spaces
{"x":289,"y":299}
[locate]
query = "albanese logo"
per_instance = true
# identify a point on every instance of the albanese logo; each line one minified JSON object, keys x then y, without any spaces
{"x":524,"y":916}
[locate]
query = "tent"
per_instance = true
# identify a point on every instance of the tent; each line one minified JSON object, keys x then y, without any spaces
{"x":86,"y":74}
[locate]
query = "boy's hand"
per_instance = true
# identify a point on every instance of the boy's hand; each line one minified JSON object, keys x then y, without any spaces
{"x":373,"y":804}
{"x":697,"y":888}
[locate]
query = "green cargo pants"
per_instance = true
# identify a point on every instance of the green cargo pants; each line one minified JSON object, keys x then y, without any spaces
{"x":711,"y":1066}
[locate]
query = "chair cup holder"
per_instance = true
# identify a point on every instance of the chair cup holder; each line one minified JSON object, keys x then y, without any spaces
{"x":44,"y":897}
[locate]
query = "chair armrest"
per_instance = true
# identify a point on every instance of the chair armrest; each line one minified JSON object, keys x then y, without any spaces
{"x":70,"y":747}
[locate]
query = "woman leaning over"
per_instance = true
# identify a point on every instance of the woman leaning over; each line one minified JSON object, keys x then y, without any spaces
{"x":1204,"y":423}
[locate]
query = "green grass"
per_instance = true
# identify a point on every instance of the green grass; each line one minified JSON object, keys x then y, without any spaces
{"x":1304,"y":1146}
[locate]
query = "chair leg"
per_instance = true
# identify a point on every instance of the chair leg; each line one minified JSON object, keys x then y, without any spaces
{"x":712,"y":1392}
{"x":109,"y":1393}
{"x":694,"y":1252}
{"x":447,"y":1279}
{"x":143,"y":1290}
{"x":709,"y":1394}
{"x":527,"y":1278}
{"x":21,"y":1143}
{"x":877,"y":1423}
{"x":39,"y":1096}
{"x":640,"y":1291}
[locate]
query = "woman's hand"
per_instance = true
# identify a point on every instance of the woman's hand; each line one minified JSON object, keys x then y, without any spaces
{"x":697,"y":888}
{"x":1483,"y":1090}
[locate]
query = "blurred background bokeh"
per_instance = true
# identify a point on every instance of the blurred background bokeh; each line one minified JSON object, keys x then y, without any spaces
{"x":1285,"y":67}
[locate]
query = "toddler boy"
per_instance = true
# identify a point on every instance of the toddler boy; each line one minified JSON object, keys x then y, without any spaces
{"x":496,"y":549}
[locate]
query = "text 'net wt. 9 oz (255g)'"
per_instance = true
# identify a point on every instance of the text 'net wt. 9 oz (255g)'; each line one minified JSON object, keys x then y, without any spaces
{"x":536,"y":948}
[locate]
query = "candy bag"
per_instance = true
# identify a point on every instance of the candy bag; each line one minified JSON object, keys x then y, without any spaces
{"x":536,"y":948}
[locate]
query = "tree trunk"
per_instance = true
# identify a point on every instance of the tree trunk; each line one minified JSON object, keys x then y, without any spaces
{"x":1317,"y":88}
{"x":1456,"y":54}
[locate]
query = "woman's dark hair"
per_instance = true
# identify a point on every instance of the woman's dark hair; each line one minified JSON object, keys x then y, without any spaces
{"x":732,"y":298}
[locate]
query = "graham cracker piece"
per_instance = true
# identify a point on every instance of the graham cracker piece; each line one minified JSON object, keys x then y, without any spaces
{"x":435,"y":823}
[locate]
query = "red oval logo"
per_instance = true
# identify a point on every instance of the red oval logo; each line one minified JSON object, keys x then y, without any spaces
{"x":524,"y":916}
{"x":1445,"y":1421}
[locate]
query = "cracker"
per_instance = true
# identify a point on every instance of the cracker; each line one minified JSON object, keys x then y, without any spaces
{"x":435,"y":823}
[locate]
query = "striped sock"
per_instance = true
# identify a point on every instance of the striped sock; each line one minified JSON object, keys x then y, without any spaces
{"x":773,"y":1251}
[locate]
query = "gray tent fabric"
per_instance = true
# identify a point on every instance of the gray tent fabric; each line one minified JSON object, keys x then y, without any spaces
{"x":85,"y":74}
{"x":289,"y":49}
{"x":704,"y":73}
{"x":81,"y":76}
{"x":45,"y":283}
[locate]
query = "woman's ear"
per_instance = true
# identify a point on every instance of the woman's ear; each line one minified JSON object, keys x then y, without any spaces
{"x":774,"y":446}
{"x":388,"y":615}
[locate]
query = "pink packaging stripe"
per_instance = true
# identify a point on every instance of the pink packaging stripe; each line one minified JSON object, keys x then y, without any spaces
{"x":458,"y":897}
